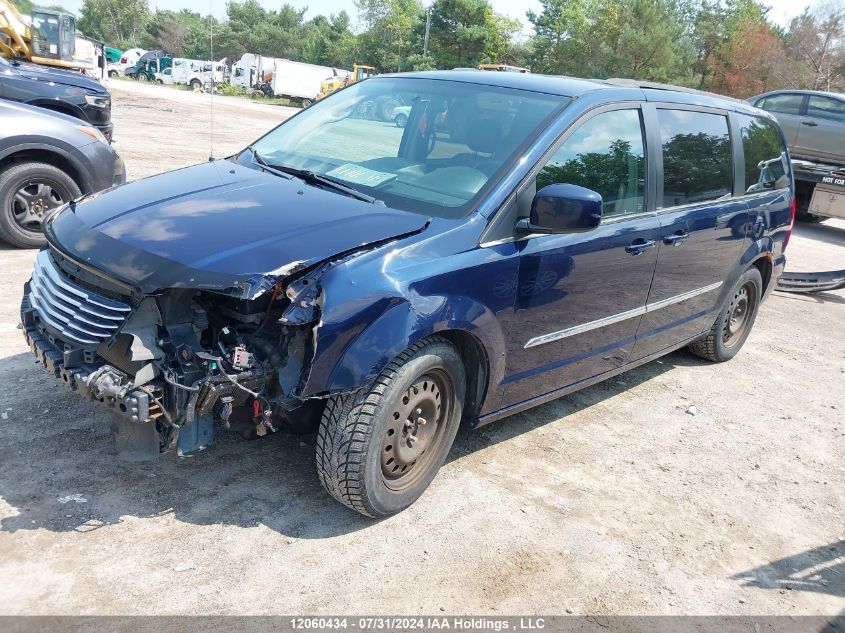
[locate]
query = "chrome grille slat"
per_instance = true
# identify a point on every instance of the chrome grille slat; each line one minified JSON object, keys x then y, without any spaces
{"x":79,"y":305}
{"x":46,"y":266}
{"x":76,"y":313}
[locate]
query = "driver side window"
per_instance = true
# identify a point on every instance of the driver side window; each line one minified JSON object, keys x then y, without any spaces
{"x":605,"y":154}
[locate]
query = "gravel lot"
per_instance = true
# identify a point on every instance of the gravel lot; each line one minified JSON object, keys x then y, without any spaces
{"x":678,"y":488}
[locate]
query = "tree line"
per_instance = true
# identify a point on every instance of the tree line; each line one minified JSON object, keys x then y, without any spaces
{"x":729,"y":46}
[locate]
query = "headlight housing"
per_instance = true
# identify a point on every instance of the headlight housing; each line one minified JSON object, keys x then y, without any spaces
{"x":98,"y":101}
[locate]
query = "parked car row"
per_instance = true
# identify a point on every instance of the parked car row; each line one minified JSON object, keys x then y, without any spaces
{"x":55,"y":135}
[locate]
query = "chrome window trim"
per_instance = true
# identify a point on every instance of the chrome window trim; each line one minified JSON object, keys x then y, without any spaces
{"x":621,"y":316}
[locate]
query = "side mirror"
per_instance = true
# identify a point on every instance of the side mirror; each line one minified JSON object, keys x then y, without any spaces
{"x":563,"y":208}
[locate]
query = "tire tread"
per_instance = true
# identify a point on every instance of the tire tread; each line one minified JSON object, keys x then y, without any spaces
{"x":347,"y":424}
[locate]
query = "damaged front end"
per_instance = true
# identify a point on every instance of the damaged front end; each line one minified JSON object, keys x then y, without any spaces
{"x":169,"y":363}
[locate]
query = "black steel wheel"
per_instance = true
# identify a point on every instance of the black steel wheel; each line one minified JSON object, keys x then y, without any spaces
{"x":378,"y":449}
{"x":29,"y":193}
{"x":735,"y":320}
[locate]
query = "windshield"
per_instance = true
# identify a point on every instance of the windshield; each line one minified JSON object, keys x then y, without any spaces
{"x":421,"y":145}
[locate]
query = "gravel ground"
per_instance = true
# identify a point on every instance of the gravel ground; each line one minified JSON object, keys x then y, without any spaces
{"x":680,"y":487}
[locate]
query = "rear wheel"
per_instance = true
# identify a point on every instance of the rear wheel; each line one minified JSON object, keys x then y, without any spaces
{"x":378,"y":449}
{"x":29,"y":193}
{"x":196,"y":84}
{"x":735,"y":320}
{"x":401,"y":120}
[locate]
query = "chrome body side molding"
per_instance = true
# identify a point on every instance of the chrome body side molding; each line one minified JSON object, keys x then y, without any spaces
{"x":621,"y":316}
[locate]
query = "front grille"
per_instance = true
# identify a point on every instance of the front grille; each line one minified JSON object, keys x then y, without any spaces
{"x":77,"y":314}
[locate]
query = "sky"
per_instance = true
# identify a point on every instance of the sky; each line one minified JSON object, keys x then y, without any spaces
{"x":782,"y":10}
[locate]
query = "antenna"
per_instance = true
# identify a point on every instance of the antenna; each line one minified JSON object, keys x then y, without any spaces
{"x":211,"y":79}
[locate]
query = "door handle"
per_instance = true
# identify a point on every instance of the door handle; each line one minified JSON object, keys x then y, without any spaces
{"x":809,"y":123}
{"x":639,"y":245}
{"x":676,"y":239}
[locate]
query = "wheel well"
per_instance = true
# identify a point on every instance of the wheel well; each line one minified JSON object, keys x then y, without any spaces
{"x":61,"y":109}
{"x":764,"y":265}
{"x":476,"y":366}
{"x":45,"y":156}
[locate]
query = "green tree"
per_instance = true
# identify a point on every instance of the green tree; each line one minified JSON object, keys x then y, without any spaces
{"x":250,"y":28}
{"x":184,"y":33}
{"x":391,"y":32}
{"x":641,"y":39}
{"x":816,"y":44}
{"x":465,"y":33}
{"x":118,"y":23}
{"x":330,"y":41}
{"x":648,"y":40}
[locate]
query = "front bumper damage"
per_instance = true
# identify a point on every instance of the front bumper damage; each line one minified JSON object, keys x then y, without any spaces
{"x":167,"y":366}
{"x":812,"y":282}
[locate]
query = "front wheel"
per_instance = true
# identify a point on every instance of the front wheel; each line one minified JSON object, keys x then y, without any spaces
{"x":379,"y":448}
{"x":29,"y":193}
{"x":735,"y":320}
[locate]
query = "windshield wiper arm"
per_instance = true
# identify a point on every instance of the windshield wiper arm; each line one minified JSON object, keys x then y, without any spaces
{"x":312,"y":177}
{"x":263,"y":164}
{"x":327,"y":181}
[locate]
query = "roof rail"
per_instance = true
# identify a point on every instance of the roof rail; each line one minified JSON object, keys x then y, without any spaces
{"x":653,"y":85}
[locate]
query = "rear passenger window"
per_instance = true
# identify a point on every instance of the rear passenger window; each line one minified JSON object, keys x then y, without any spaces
{"x":606,"y":155}
{"x":826,"y":108}
{"x":785,"y":104}
{"x":697,"y":164}
{"x":764,"y":155}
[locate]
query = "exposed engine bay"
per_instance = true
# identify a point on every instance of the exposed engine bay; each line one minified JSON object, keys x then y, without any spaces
{"x":171,"y":364}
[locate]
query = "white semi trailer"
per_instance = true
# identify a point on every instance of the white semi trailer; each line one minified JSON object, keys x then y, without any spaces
{"x":250,"y":70}
{"x":298,"y":81}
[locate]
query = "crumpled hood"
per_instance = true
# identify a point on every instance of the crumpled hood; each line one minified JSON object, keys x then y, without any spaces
{"x":218,"y":225}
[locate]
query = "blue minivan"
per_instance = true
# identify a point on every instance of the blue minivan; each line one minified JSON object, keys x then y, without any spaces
{"x":521,"y":237}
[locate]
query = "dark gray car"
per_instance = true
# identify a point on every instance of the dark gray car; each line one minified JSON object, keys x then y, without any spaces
{"x":46,"y":160}
{"x":813,"y":122}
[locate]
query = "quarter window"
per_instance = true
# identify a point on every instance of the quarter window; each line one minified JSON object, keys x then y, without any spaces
{"x":764,"y":155}
{"x":826,"y":108}
{"x":697,"y":164}
{"x":783,"y":103}
{"x":606,"y":154}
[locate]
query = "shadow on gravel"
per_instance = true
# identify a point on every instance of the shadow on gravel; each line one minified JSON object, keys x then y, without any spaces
{"x":815,"y":297}
{"x":820,"y":570}
{"x":826,"y":233}
{"x":59,"y":471}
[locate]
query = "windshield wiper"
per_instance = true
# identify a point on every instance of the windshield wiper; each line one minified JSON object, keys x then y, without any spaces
{"x":312,"y":177}
{"x":327,"y":181}
{"x":259,"y":160}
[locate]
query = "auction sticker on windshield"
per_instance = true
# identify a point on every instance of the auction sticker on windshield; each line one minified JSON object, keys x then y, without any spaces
{"x":357,"y":175}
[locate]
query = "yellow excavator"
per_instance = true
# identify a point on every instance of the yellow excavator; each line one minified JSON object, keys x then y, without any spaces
{"x":48,"y":38}
{"x":333,"y":84}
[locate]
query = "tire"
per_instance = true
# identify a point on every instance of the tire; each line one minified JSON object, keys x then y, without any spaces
{"x":29,"y":192}
{"x":401,"y":120}
{"x":357,"y":461}
{"x":140,"y":77}
{"x":306,"y":103}
{"x":196,"y":84}
{"x":735,"y":320}
{"x":113,"y":74}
